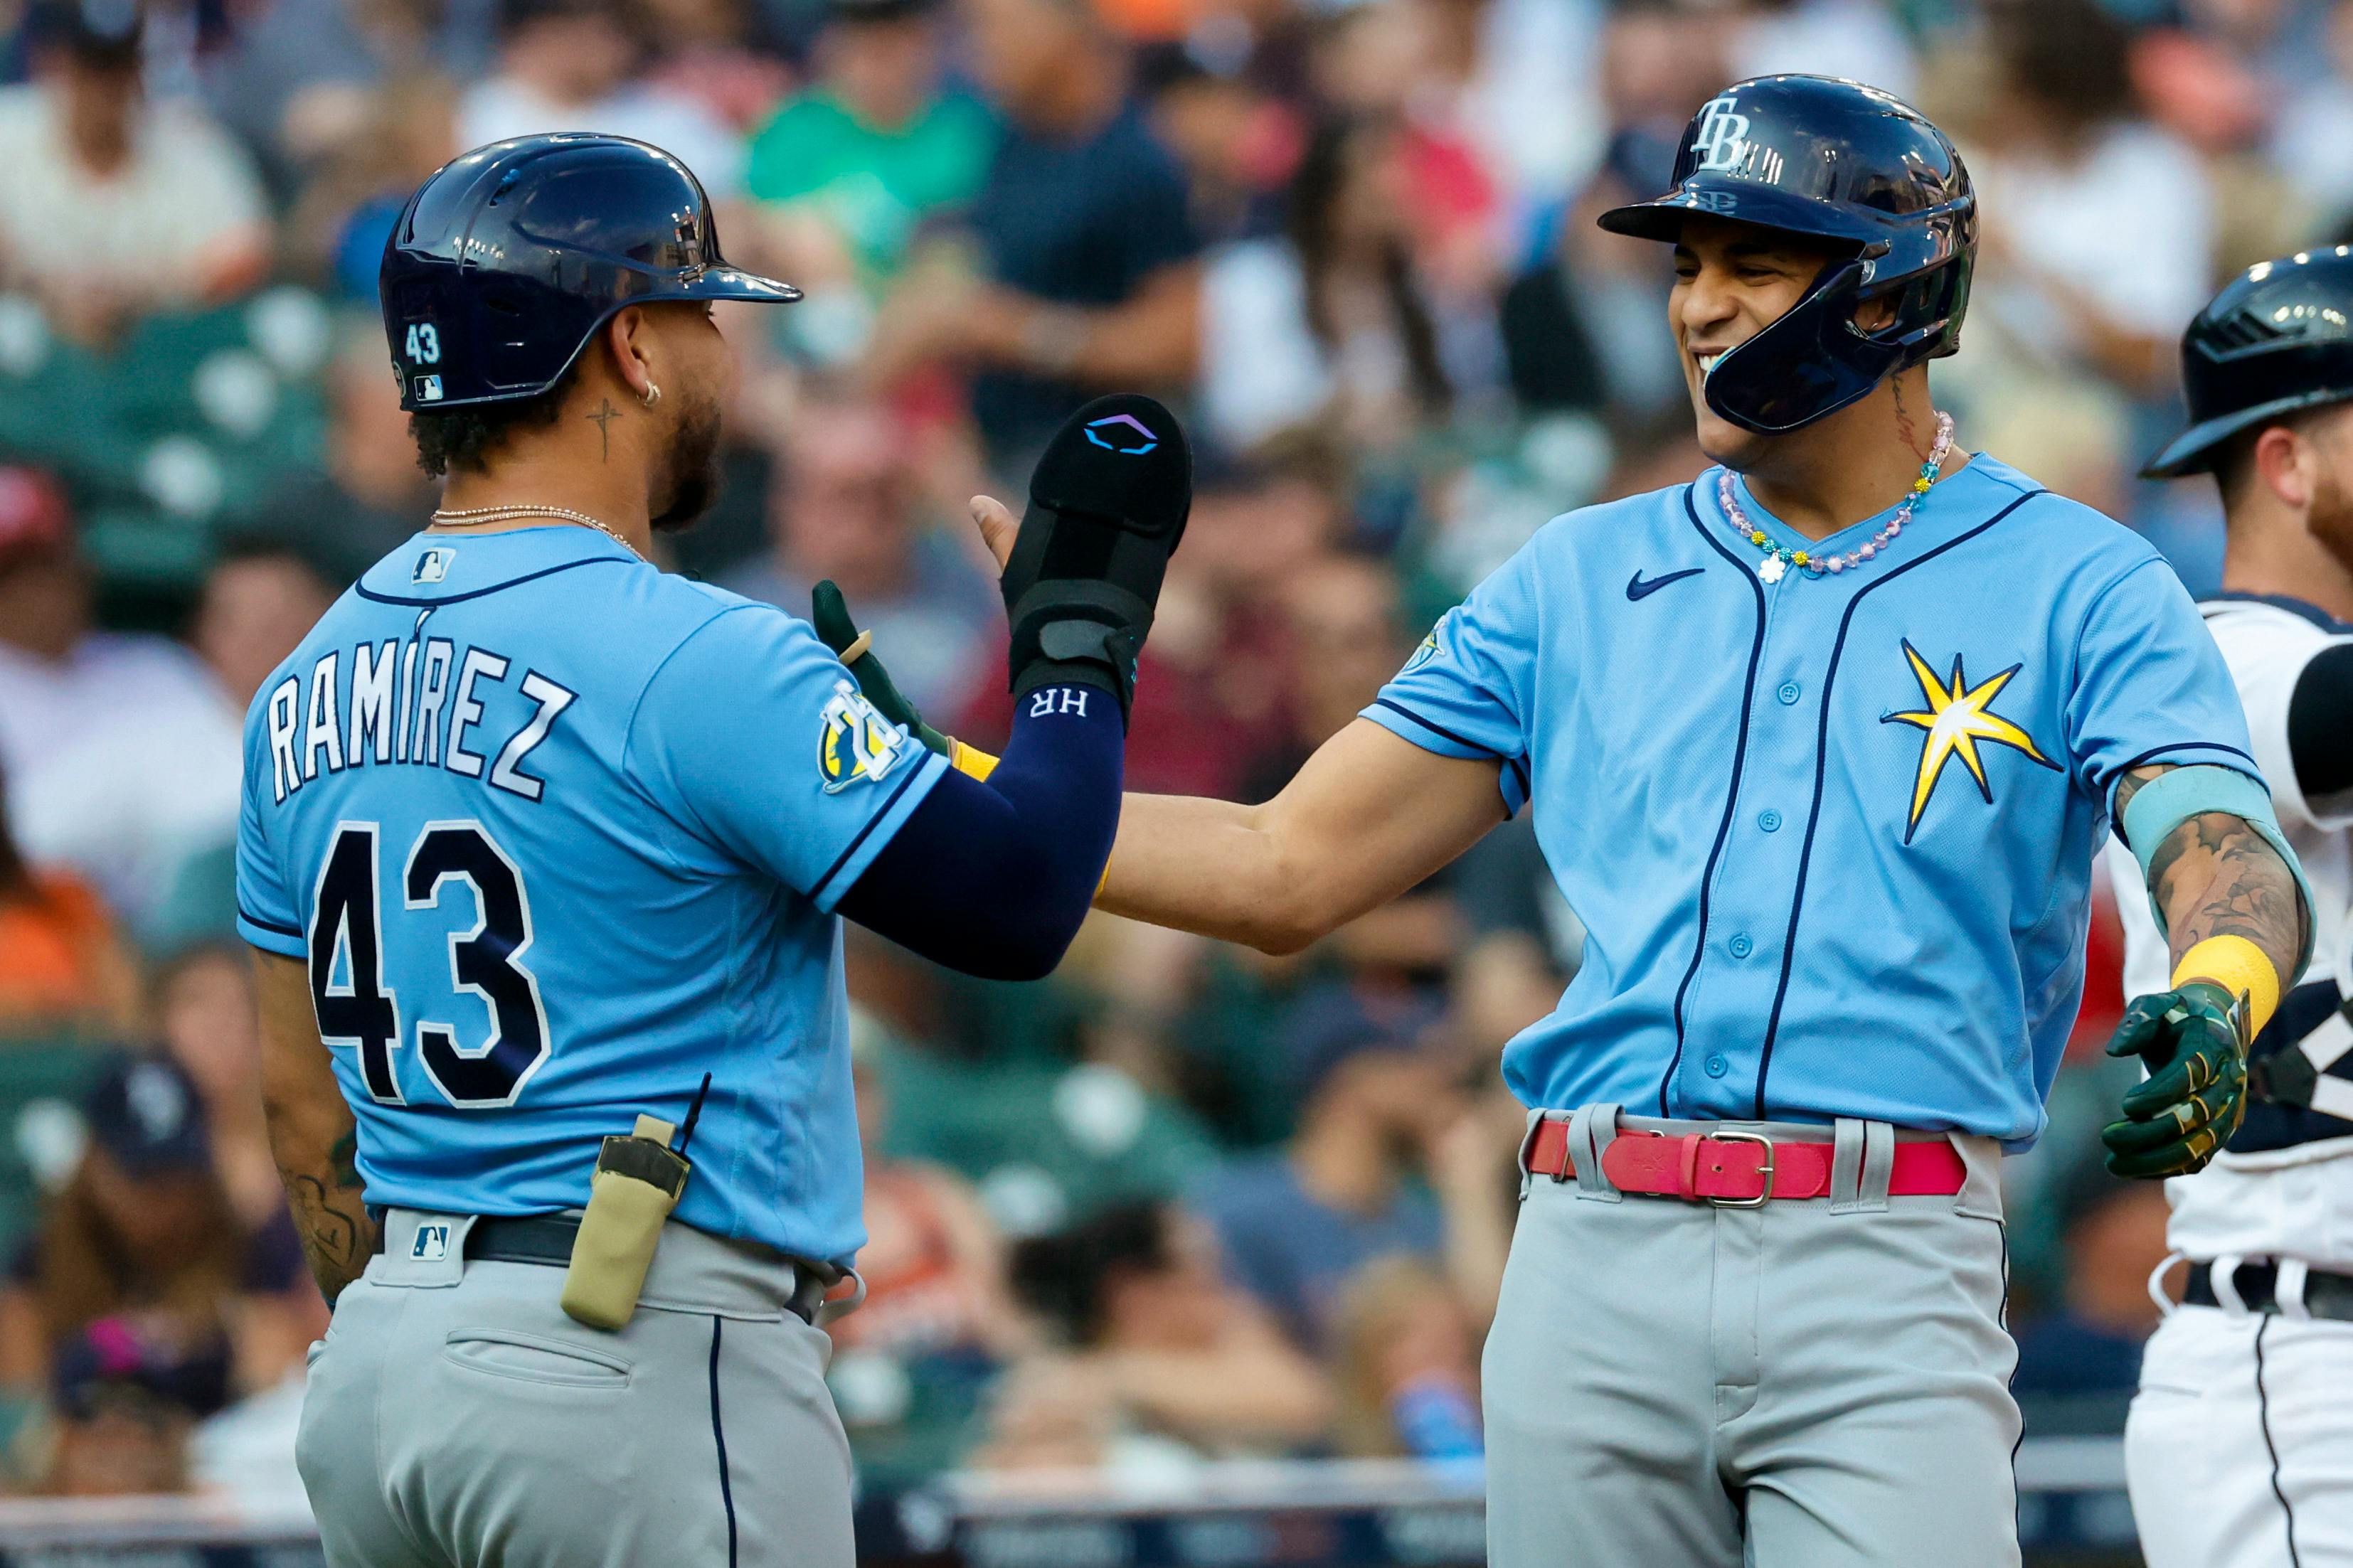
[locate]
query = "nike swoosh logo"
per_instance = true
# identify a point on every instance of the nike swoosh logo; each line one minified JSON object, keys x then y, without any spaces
{"x":1637,"y":589}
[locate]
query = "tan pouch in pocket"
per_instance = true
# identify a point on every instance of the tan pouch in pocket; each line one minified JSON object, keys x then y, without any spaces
{"x":637,"y":1183}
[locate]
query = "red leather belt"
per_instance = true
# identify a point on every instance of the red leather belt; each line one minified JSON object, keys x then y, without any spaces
{"x":1739,"y":1169}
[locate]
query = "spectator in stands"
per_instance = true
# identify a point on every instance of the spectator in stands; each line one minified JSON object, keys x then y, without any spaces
{"x":846,"y":506}
{"x":1340,"y":622}
{"x":258,"y":600}
{"x":849,"y":166}
{"x":577,"y":65}
{"x":1342,"y":315}
{"x":69,"y":691}
{"x":910,"y":1366}
{"x":1409,"y":1367}
{"x":407,"y":128}
{"x":144,"y":1230}
{"x":112,"y":205}
{"x":1298,"y":1222}
{"x":727,"y":55}
{"x":301,"y":81}
{"x":1160,"y":1353}
{"x":2087,"y":1345}
{"x":1087,"y":280}
{"x":2098,"y":236}
{"x":368,"y":495}
{"x":61,"y":969}
{"x":204,"y":1013}
{"x":125,"y":1398}
{"x":97,"y":801}
{"x":933,"y":1264}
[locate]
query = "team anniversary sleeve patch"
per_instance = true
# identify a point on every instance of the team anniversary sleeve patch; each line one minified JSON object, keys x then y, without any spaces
{"x":855,"y":744}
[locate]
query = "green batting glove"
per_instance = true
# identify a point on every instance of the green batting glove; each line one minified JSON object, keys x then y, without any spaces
{"x":829,"y":614}
{"x":2194,"y":1040}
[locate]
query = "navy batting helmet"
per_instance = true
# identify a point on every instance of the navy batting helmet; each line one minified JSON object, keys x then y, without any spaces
{"x":1846,"y":164}
{"x":2278,"y":339}
{"x":505,"y":262}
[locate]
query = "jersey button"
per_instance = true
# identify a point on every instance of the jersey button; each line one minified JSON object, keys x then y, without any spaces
{"x":1770,"y":821}
{"x":1741,"y":946}
{"x":1715,"y":1066}
{"x":1788,"y":692}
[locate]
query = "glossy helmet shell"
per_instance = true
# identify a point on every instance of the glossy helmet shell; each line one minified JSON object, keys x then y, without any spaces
{"x":1849,"y":165}
{"x":503,"y":264}
{"x":2277,"y":338}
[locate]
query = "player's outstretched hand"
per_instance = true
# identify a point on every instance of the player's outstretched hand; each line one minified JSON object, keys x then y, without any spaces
{"x":2194,"y":1042}
{"x":1107,"y":505}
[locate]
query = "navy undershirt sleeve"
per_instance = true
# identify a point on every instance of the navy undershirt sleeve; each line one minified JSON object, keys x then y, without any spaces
{"x":992,"y":878}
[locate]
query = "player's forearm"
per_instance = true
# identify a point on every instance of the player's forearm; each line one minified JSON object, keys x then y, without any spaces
{"x":2216,"y":876}
{"x":1209,"y":867}
{"x":313,"y":1134}
{"x":1368,"y":817}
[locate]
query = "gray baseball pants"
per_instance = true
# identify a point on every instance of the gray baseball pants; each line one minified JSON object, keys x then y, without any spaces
{"x":1815,"y":1383}
{"x":456,"y":1418}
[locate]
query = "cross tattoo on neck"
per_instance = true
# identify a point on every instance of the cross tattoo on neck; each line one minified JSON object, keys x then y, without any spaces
{"x":604,"y":417}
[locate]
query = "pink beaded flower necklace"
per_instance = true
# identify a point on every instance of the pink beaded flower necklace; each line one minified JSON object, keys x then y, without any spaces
{"x":1778,"y":561}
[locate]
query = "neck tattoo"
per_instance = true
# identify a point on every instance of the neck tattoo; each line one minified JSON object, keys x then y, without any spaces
{"x":1778,"y":561}
{"x":604,"y":417}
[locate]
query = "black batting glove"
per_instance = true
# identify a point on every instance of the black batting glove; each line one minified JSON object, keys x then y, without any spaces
{"x":2194,"y":1041}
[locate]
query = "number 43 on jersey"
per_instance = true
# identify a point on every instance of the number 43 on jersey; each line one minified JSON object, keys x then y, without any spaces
{"x":356,"y":1009}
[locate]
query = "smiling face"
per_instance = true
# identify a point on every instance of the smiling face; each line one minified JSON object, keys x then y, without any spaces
{"x":1732,"y":281}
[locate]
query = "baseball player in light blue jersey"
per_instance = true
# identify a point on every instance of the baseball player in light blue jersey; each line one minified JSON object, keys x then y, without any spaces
{"x":1821,"y":748}
{"x":545,"y":852}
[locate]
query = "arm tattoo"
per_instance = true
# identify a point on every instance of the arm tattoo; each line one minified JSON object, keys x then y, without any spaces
{"x":2215,"y":876}
{"x":338,"y":1234}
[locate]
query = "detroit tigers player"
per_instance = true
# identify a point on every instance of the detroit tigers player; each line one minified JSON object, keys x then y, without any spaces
{"x":1821,"y":748}
{"x":541,"y":844}
{"x":2244,"y":1385}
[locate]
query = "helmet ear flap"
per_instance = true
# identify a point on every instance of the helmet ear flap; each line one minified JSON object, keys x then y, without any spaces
{"x":1815,"y":360}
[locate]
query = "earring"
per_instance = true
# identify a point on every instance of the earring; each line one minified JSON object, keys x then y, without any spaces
{"x":653,"y":394}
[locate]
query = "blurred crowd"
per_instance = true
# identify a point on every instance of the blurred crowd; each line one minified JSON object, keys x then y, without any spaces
{"x":1179,"y":1201}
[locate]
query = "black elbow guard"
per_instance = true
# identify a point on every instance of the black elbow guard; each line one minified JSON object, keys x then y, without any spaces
{"x":2320,"y":729}
{"x":1107,"y":505}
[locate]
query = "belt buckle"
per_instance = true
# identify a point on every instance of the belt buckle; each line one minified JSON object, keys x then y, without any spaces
{"x":1764,"y":1196}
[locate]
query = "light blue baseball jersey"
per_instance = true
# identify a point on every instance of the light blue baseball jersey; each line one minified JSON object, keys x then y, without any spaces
{"x":557,"y":833}
{"x":1832,"y":837}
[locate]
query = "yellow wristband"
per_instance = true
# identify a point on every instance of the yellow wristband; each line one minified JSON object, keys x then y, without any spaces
{"x":2239,"y":967}
{"x":970,"y":759}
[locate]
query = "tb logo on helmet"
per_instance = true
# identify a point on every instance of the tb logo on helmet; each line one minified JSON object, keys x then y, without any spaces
{"x":1721,"y":137}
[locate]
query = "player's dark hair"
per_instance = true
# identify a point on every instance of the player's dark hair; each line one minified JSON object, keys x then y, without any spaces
{"x":464,"y":440}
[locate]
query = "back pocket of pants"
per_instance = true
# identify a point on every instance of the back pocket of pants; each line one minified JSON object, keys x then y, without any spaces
{"x":529,"y":1358}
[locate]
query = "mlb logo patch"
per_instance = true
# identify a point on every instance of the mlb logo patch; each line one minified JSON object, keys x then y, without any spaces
{"x":427,"y":388}
{"x":432,"y":1244}
{"x":433,"y":566}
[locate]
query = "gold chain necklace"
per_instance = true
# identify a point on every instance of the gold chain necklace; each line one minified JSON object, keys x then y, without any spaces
{"x":482,"y":516}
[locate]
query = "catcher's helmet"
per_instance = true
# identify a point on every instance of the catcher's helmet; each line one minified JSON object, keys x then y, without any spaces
{"x":1842,"y":163}
{"x":2276,"y":339}
{"x":508,"y":259}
